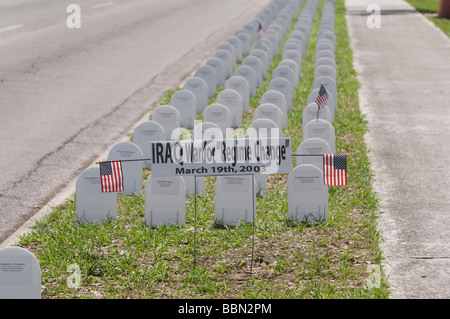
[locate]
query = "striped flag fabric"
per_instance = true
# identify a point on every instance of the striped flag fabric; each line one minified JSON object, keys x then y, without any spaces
{"x":321,"y":97}
{"x":261,"y":31}
{"x":111,"y":176}
{"x":335,"y":169}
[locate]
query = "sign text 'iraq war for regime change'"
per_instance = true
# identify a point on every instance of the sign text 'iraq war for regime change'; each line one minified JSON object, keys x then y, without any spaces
{"x":222,"y":157}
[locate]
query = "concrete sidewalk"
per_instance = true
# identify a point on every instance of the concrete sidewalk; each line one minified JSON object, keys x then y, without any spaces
{"x":404,"y":70}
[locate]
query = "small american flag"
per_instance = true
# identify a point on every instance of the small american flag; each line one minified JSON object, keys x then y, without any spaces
{"x":261,"y":31}
{"x":111,"y":176}
{"x":335,"y":169}
{"x":321,"y":97}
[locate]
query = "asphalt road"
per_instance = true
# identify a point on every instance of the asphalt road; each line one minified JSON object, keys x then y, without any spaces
{"x":68,"y":94}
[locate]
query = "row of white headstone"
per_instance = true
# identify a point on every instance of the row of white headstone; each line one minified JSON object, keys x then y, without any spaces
{"x":311,"y":204}
{"x":318,"y":136}
{"x":20,"y":274}
{"x":165,"y":196}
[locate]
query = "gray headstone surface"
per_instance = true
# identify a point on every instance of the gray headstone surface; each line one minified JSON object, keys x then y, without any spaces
{"x":262,"y":55}
{"x":234,"y":201}
{"x":20,"y":274}
{"x":165,"y":201}
{"x":286,"y":73}
{"x":321,"y":129}
{"x":169,"y":118}
{"x":256,"y":64}
{"x":310,"y":112}
{"x":269,"y":111}
{"x":219,"y":114}
{"x":228,"y":47}
{"x":93,"y":206}
{"x":312,"y":145}
{"x":240,"y":85}
{"x":186,"y":104}
{"x":227,"y":59}
{"x":233,"y":101}
{"x":207,"y":73}
{"x":245,"y":41}
{"x":219,"y":67}
{"x":236,"y":43}
{"x":293,"y":66}
{"x":277,"y":98}
{"x":293,"y":55}
{"x":324,"y":70}
{"x":199,"y":87}
{"x":249,"y":74}
{"x":283,"y":86}
{"x":132,"y":170}
{"x":307,"y":195}
{"x":146,"y":133}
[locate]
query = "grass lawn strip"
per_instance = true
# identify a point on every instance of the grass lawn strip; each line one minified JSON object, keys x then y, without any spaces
{"x":127,"y":259}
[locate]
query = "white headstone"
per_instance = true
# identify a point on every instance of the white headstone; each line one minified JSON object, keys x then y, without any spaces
{"x":169,"y":118}
{"x":219,"y":114}
{"x":307,"y":195}
{"x":165,"y":201}
{"x":277,"y":98}
{"x":233,"y":101}
{"x":311,"y":112}
{"x":269,"y":111}
{"x":286,"y":73}
{"x":315,"y":146}
{"x":218,"y":65}
{"x":293,"y":66}
{"x":146,"y":133}
{"x":261,"y":128}
{"x":249,"y":74}
{"x":321,"y":129}
{"x":256,"y":64}
{"x":227,"y":59}
{"x":293,"y":55}
{"x":199,"y":87}
{"x":240,"y":85}
{"x":326,"y":61}
{"x":186,"y":104}
{"x":228,"y":47}
{"x":252,"y":28}
{"x":207,"y":73}
{"x":262,"y":55}
{"x":284,"y":86}
{"x":236,"y":43}
{"x":132,"y":170}
{"x":234,"y":200}
{"x":20,"y":274}
{"x":325,"y":54}
{"x":92,"y":205}
{"x":245,"y":40}
{"x":324,"y":46}
{"x":324,"y":70}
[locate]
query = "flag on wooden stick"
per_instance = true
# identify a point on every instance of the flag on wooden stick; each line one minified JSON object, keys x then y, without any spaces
{"x":111,"y":176}
{"x":335,"y":169}
{"x":321,"y":97}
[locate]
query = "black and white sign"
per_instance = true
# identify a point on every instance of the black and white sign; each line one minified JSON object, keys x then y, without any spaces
{"x":241,"y":156}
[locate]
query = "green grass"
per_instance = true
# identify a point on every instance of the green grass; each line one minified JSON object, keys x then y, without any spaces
{"x":430,"y":9}
{"x":125,"y":258}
